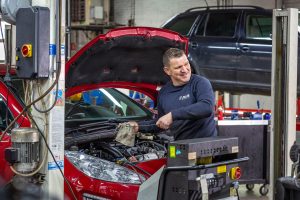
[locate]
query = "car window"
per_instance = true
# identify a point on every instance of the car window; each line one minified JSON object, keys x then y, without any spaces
{"x":200,"y":29}
{"x":103,"y":103}
{"x":298,"y":23}
{"x":258,"y":26}
{"x":3,"y":113}
{"x":221,"y":24}
{"x":182,"y":25}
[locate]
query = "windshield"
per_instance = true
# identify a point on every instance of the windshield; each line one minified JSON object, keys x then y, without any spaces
{"x":181,"y":25}
{"x":103,"y":103}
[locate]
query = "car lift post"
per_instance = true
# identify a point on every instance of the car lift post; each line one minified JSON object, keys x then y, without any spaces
{"x":284,"y":92}
{"x":54,"y":119}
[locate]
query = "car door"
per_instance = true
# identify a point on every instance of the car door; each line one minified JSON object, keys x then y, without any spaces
{"x":213,"y":49}
{"x":255,"y":51}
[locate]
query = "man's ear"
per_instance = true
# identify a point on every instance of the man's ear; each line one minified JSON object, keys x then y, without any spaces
{"x":167,"y":70}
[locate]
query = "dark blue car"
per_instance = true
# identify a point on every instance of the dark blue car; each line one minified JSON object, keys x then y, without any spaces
{"x":231,"y":46}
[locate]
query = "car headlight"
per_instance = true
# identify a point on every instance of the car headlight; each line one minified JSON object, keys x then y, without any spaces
{"x":103,"y":169}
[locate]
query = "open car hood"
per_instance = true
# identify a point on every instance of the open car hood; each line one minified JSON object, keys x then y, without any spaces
{"x":123,"y":58}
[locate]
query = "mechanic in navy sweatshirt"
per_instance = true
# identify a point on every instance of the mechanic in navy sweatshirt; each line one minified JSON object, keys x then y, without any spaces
{"x":185,"y":104}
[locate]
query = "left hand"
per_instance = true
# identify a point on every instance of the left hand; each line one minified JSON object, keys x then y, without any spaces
{"x":165,"y":121}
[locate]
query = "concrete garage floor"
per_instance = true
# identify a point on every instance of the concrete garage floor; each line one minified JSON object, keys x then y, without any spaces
{"x":251,"y":195}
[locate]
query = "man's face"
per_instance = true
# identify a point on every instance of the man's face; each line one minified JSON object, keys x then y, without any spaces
{"x":179,"y":70}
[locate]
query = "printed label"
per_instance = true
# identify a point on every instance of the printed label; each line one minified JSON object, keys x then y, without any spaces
{"x":52,"y":49}
{"x":178,"y":152}
{"x":192,"y":156}
{"x":221,"y":169}
{"x":53,"y":165}
{"x":235,"y":149}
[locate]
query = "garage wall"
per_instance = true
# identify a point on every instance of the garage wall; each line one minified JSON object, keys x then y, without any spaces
{"x":156,"y":12}
{"x":150,"y":12}
{"x":269,"y":4}
{"x":291,"y":3}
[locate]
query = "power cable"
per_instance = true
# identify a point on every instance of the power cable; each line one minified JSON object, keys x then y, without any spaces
{"x":141,"y":169}
{"x":206,"y":3}
{"x":32,"y":173}
{"x":58,"y":56}
{"x":51,"y":107}
{"x":237,"y":193}
{"x":33,"y":102}
{"x":51,"y":153}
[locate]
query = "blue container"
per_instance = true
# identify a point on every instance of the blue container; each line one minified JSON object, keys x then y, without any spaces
{"x":267,"y":116}
{"x":234,"y":115}
{"x":257,"y":116}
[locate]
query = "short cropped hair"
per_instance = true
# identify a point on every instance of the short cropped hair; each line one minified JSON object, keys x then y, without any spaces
{"x":171,"y":53}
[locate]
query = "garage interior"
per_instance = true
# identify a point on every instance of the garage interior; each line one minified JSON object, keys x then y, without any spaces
{"x":60,"y":61}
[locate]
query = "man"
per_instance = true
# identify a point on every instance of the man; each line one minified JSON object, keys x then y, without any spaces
{"x":185,"y":103}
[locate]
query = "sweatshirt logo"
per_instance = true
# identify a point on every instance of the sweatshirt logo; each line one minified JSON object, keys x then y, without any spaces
{"x":184,"y":97}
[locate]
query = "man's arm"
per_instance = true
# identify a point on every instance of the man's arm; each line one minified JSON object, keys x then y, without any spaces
{"x":151,"y":126}
{"x":204,"y":105}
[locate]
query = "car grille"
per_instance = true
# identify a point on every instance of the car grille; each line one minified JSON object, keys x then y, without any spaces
{"x":92,"y":197}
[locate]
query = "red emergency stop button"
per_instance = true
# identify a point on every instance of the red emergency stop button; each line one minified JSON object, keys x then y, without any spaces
{"x":26,"y":50}
{"x":235,"y":173}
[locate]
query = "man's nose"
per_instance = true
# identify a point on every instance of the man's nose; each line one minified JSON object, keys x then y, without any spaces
{"x":185,"y":69}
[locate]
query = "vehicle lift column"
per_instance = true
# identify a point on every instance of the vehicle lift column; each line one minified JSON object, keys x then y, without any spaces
{"x":284,"y":92}
{"x":54,"y":184}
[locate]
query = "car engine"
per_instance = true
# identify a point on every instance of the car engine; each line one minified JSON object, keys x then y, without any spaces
{"x":98,"y":140}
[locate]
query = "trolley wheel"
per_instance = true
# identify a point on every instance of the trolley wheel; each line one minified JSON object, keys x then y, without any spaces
{"x":250,"y":187}
{"x":263,"y":190}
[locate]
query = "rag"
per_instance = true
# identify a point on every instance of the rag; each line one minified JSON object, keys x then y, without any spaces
{"x":125,"y":134}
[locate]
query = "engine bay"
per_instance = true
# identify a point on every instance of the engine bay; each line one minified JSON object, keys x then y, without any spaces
{"x":116,"y":152}
{"x":98,"y":140}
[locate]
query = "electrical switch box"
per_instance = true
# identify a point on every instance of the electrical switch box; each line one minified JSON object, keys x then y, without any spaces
{"x":32,"y":42}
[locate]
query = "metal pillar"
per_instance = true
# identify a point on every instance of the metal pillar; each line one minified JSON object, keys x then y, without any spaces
{"x":52,"y":122}
{"x":284,"y":92}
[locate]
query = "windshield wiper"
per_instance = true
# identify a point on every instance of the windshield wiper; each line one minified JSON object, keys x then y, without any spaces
{"x":89,"y":127}
{"x":74,"y":106}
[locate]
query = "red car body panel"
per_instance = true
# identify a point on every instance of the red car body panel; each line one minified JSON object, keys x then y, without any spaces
{"x":80,"y":182}
{"x":15,"y":108}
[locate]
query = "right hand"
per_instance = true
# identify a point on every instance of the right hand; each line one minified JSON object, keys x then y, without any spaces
{"x":165,"y":121}
{"x":134,"y":125}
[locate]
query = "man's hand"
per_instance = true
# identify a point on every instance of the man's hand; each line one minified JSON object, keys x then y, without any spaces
{"x":165,"y":121}
{"x":134,"y":125}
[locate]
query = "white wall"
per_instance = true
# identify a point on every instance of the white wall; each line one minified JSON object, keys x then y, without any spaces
{"x":2,"y":51}
{"x":291,"y":3}
{"x":156,"y":12}
{"x":269,"y":4}
{"x":249,"y":101}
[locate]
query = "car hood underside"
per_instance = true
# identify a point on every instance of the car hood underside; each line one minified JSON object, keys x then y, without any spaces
{"x":126,"y":55}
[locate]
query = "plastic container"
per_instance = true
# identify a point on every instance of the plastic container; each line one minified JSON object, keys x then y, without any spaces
{"x":234,"y":115}
{"x":257,"y":116}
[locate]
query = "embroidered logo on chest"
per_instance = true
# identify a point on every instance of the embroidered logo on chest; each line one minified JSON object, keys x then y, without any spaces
{"x":184,"y":97}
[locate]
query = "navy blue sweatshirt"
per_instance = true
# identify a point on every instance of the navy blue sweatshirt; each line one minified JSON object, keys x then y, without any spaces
{"x":192,"y":108}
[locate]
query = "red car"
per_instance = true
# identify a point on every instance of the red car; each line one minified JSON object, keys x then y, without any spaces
{"x":96,"y":166}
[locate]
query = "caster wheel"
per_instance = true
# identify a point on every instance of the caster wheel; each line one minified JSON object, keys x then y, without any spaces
{"x":263,"y":190}
{"x":250,"y":187}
